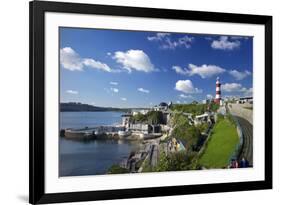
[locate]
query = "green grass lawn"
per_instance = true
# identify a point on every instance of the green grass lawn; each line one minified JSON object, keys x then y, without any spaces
{"x":220,"y":146}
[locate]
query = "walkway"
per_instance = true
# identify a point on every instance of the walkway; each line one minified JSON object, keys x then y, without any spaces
{"x":247,"y":147}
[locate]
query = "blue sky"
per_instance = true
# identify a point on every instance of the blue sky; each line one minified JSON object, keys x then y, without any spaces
{"x":141,"y":69}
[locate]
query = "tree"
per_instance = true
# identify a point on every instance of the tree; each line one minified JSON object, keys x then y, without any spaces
{"x":139,"y":118}
{"x":214,"y":107}
{"x":155,"y":117}
{"x":175,"y":161}
{"x":152,"y":117}
{"x":195,"y":109}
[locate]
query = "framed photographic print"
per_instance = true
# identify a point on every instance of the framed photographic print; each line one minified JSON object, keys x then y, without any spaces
{"x":140,"y":102}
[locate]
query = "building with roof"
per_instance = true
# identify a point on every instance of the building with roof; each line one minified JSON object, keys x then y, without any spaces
{"x":248,"y":99}
{"x":161,"y":107}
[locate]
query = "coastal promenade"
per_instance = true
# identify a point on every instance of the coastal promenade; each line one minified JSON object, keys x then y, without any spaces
{"x":154,"y":154}
{"x":242,"y":111}
{"x":247,"y":147}
{"x":244,"y":117}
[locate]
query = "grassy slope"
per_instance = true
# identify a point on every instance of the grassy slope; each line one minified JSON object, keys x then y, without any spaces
{"x":221,"y":145}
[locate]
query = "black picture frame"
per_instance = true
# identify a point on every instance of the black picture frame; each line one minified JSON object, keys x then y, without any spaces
{"x":37,"y":9}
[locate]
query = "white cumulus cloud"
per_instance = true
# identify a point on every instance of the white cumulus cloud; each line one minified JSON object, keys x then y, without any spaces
{"x":113,"y":83}
{"x":96,"y":64}
{"x":116,"y":90}
{"x":172,"y":44}
{"x":237,"y":87}
{"x":123,"y":99}
{"x":185,"y":96}
{"x":73,"y":92}
{"x":180,"y":70}
{"x":209,"y":96}
{"x":134,"y":60}
{"x":248,"y":92}
{"x":225,"y":44}
{"x":158,"y":36}
{"x":231,"y":87}
{"x":239,"y":75}
{"x":204,"y":71}
{"x":72,"y":61}
{"x":166,"y":41}
{"x":186,"y":86}
{"x":143,"y":90}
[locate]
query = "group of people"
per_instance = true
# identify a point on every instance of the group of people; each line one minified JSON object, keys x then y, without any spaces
{"x":175,"y":145}
{"x":243,"y":163}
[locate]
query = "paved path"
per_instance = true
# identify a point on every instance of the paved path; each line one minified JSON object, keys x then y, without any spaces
{"x":154,"y":155}
{"x":240,"y":110}
{"x":247,"y":147}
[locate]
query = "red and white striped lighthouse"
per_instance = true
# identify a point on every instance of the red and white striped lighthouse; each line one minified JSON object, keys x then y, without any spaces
{"x":218,"y":91}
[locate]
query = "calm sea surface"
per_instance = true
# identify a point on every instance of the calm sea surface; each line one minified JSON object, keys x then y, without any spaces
{"x":93,"y":157}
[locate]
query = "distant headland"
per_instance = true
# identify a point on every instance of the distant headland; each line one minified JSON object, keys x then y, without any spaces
{"x":80,"y":107}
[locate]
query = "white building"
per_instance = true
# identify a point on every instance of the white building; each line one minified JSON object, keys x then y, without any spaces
{"x":126,"y":120}
{"x":243,"y":100}
{"x":206,"y":117}
{"x":143,"y":112}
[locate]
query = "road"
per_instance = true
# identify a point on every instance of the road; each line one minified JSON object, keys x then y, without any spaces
{"x":247,"y":147}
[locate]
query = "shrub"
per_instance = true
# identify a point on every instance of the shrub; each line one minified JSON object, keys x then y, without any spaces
{"x":116,"y":169}
{"x":175,"y":161}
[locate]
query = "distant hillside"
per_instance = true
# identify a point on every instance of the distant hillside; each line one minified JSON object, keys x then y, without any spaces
{"x":79,"y":107}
